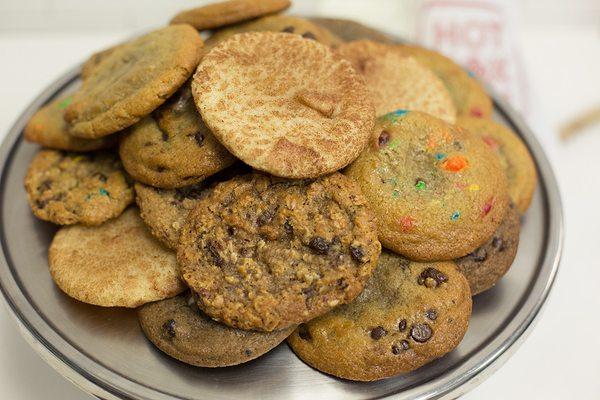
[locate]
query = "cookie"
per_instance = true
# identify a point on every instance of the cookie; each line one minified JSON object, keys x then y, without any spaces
{"x":172,"y":147}
{"x":94,"y":60}
{"x":179,"y":329}
{"x":117,"y":264}
{"x":278,"y":23}
{"x":133,"y":80}
{"x":485,"y":266}
{"x":266,"y":253}
{"x":48,"y":128}
{"x":350,"y":30}
{"x":437,"y":190}
{"x":165,"y":210}
{"x":228,"y":12}
{"x":409,"y":314}
{"x":283,"y":104}
{"x":468,"y":95}
{"x":397,"y":81}
{"x":69,"y":188}
{"x":514,"y":157}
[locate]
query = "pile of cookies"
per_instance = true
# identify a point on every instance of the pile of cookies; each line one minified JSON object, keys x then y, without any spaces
{"x":268,"y":167}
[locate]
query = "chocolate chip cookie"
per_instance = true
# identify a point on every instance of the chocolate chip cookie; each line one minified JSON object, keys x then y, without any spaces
{"x":349,"y":30}
{"x":437,"y":190}
{"x":228,"y":12}
{"x":278,"y":23}
{"x":283,"y":104}
{"x":514,"y":157}
{"x":48,"y":128}
{"x":172,"y":147}
{"x":116,"y":264}
{"x":485,"y":266}
{"x":397,"y":81}
{"x":70,"y":188}
{"x":266,"y":253}
{"x":177,"y":327}
{"x":467,"y":93}
{"x":133,"y":80}
{"x":165,"y":210}
{"x":409,"y":314}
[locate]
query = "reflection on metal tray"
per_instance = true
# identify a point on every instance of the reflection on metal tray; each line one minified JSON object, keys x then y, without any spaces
{"x":104,"y":352}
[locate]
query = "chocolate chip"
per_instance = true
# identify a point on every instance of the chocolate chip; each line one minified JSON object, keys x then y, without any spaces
{"x":342,"y":284}
{"x":287,"y":227}
{"x":100,"y":176}
{"x":211,"y":247}
{"x":384,"y":137}
{"x":431,"y":277}
{"x":248,"y":352}
{"x":288,"y":29}
{"x":420,"y":332}
{"x":378,"y":332}
{"x":304,"y":333}
{"x":319,"y":245}
{"x":309,"y":292}
{"x":402,"y":346}
{"x":231,"y":230}
{"x":457,"y":145}
{"x":193,"y":192}
{"x":199,"y":136}
{"x":169,"y":327}
{"x":41,"y":203}
{"x":309,"y":35}
{"x":45,"y":185}
{"x":265,"y":217}
{"x":402,"y":325}
{"x":358,"y":253}
{"x":404,"y":263}
{"x":165,"y":136}
{"x":479,"y":255}
{"x":498,"y":244}
{"x":160,"y":168}
{"x":431,"y":314}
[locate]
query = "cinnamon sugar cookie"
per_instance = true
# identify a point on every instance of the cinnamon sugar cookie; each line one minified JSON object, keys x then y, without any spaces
{"x":283,"y":104}
{"x":117,"y":264}
{"x":397,"y":81}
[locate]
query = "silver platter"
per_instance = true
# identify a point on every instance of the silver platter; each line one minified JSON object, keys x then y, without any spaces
{"x":104,"y":352}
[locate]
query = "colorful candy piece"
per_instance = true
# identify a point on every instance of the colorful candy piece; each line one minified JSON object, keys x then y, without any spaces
{"x":455,"y":215}
{"x":455,"y":163}
{"x":407,"y":223}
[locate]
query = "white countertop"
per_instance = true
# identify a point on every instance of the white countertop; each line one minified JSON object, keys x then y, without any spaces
{"x":559,"y":360}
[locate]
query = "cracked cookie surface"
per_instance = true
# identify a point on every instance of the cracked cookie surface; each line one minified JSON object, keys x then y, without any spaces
{"x":172,"y":147}
{"x":70,"y":188}
{"x":409,"y":314}
{"x":266,"y":253}
{"x":283,"y":104}
{"x":177,"y":327}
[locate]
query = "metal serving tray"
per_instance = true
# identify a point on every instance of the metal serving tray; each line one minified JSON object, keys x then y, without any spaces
{"x":104,"y":352}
